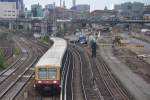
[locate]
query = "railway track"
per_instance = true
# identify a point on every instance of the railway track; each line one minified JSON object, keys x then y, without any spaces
{"x":105,"y":81}
{"x":49,"y":98}
{"x":40,"y":45}
{"x":29,"y":92}
{"x":16,"y":77}
{"x":101,"y":83}
{"x":115,"y":90}
{"x":65,"y":74}
{"x":81,"y":86}
{"x":75,"y":88}
{"x":89,"y":88}
{"x":98,"y":82}
{"x":14,"y":66}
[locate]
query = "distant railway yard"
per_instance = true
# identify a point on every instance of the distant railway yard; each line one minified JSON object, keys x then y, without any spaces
{"x":74,"y":71}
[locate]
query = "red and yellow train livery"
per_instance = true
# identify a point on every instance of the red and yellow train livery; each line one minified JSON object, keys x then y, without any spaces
{"x":48,"y":68}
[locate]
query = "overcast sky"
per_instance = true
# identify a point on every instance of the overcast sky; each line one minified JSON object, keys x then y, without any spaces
{"x":95,"y":4}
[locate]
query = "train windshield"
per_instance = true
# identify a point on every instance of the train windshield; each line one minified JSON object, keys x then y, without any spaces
{"x":52,"y":73}
{"x":42,"y":73}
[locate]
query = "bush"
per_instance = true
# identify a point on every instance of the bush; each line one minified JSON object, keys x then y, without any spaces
{"x":17,"y":51}
{"x":1,"y":61}
{"x":45,"y":39}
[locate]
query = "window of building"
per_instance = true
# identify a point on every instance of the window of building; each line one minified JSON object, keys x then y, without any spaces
{"x":129,"y":7}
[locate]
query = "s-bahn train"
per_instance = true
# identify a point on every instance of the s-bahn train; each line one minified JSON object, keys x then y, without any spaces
{"x":48,"y":69}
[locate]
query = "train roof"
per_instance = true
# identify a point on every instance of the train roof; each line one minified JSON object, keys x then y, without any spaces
{"x":54,"y":56}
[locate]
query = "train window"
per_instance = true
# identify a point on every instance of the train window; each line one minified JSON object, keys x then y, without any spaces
{"x":42,"y":73}
{"x":52,"y":73}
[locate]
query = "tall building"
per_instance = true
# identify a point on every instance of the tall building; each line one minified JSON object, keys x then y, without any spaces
{"x":63,"y":13}
{"x":49,"y":11}
{"x":36,"y":10}
{"x":146,"y":12}
{"x":19,"y":6}
{"x":50,"y":6}
{"x":81,"y":8}
{"x":28,"y":13}
{"x":130,"y":10}
{"x":137,"y":10}
{"x":103,"y":14}
{"x":8,"y":10}
{"x":46,"y":13}
{"x":19,"y":3}
{"x":81,"y":11}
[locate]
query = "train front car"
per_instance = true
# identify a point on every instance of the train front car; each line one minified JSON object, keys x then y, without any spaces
{"x":48,"y":80}
{"x":48,"y":68}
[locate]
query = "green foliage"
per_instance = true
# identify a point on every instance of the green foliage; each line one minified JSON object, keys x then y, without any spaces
{"x":45,"y":39}
{"x":1,"y":61}
{"x":136,"y":28}
{"x":6,"y":36}
{"x":17,"y":51}
{"x":3,"y":36}
{"x":0,"y":51}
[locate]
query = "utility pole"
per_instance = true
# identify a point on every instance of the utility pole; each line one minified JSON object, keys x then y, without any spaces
{"x":60,"y":3}
{"x":54,"y":28}
{"x":74,"y":3}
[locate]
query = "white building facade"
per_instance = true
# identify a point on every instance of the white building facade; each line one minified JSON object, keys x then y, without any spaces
{"x":8,"y":10}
